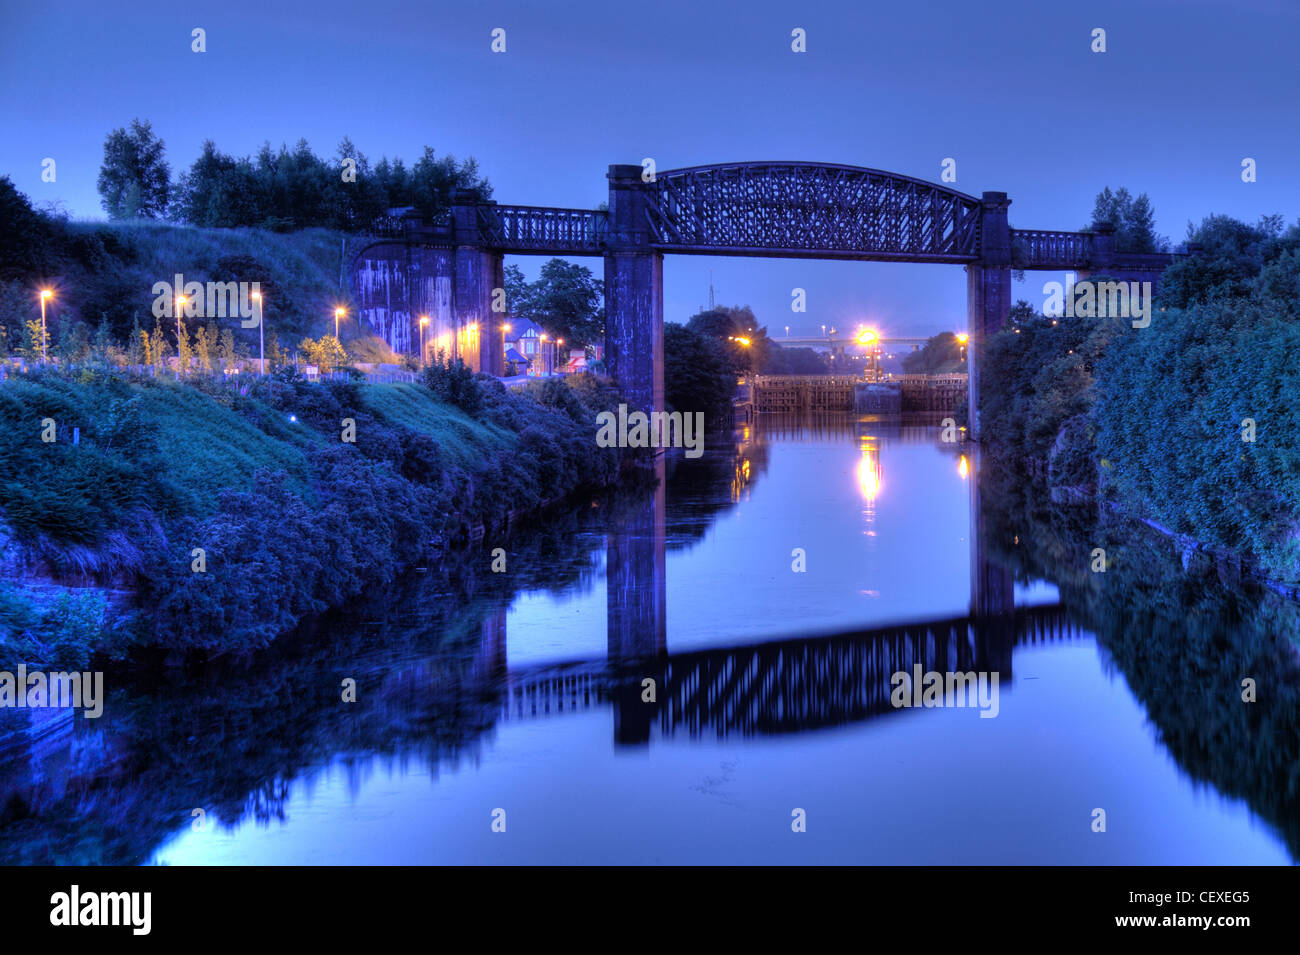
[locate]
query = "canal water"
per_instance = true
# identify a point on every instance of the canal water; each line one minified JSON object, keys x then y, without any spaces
{"x":766,"y":593}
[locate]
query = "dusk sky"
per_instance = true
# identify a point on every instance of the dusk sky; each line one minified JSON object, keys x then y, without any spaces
{"x":1011,"y":91}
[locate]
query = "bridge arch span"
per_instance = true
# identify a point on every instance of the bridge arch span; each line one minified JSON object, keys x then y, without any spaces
{"x":810,"y":210}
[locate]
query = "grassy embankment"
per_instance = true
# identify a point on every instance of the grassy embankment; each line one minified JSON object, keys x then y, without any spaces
{"x":291,"y":518}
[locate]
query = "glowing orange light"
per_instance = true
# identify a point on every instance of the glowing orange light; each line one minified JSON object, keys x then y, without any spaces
{"x":869,"y":475}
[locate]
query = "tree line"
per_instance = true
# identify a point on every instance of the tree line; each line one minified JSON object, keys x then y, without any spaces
{"x":280,"y":189}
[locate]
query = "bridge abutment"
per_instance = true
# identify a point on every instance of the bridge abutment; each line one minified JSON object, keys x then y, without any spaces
{"x":634,"y":294}
{"x":478,"y":272}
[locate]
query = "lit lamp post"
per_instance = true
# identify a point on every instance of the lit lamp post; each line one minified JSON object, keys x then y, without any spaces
{"x":261,"y":335}
{"x":545,"y":371}
{"x":424,"y":320}
{"x":180,"y":302}
{"x":559,"y":343}
{"x":745,"y":343}
{"x":962,"y":339}
{"x":46,"y":295}
{"x":868,"y":338}
{"x":338,"y":313}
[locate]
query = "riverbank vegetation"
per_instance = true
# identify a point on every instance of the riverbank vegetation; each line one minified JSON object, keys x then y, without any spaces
{"x":1189,"y":422}
{"x":223,"y":516}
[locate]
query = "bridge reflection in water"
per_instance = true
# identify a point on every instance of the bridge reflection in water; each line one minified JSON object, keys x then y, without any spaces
{"x":776,"y":686}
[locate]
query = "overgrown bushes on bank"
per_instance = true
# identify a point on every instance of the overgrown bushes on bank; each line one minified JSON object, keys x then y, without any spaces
{"x":1190,"y":421}
{"x":237,"y":513}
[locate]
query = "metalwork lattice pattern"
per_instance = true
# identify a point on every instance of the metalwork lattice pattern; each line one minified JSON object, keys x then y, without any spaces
{"x":811,"y":210}
{"x":542,"y":229}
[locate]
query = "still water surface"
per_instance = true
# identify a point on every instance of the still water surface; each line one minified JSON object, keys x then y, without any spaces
{"x":523,"y":692}
{"x":882,"y":514}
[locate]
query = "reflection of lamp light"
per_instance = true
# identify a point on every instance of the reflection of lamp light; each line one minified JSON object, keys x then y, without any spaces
{"x":963,"y":467}
{"x":869,"y":475}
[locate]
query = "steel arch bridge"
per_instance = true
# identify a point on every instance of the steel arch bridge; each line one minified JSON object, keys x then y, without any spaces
{"x":449,"y":270}
{"x":811,"y":210}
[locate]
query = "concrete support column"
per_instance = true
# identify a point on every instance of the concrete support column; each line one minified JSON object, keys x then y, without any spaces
{"x":988,"y":291}
{"x":634,"y":295}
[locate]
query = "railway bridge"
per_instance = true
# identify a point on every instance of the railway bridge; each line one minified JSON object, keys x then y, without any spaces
{"x":449,"y":270}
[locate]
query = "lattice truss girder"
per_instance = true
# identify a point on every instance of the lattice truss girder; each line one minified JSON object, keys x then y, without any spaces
{"x":812,"y":208}
{"x":542,"y":228}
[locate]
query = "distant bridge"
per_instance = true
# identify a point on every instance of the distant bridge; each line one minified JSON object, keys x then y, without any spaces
{"x":803,"y":393}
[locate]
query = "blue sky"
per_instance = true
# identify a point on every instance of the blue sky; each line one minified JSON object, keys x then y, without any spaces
{"x":1011,"y":90}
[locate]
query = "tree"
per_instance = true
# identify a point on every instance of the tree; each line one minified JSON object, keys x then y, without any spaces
{"x":35,"y":342}
{"x":205,"y":343}
{"x":697,"y":373}
{"x":1133,"y":219}
{"x":796,"y":361}
{"x":433,"y":180}
{"x":1021,"y":312}
{"x":738,"y":335}
{"x":184,"y":349}
{"x":226,"y":349}
{"x":134,"y":180}
{"x":1232,"y":256}
{"x":567,"y":300}
{"x":158,"y":346}
{"x":327,"y":353}
{"x":137,"y":350}
{"x":27,"y":239}
{"x":941,"y":354}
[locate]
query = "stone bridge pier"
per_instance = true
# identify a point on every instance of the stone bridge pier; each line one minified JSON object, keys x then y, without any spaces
{"x":634,"y":294}
{"x":988,"y":292}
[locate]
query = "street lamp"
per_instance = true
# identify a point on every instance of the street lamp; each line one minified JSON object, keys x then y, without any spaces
{"x":823,"y":331}
{"x":424,"y":320}
{"x":180,"y":302}
{"x":46,"y":295}
{"x":962,"y":339}
{"x":261,"y":335}
{"x":868,"y":338}
{"x":338,"y":313}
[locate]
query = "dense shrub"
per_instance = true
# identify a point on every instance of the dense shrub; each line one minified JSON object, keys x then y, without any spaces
{"x":1166,"y":411}
{"x":290,"y":518}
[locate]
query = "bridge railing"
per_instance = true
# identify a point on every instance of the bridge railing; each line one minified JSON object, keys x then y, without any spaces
{"x":542,"y":229}
{"x":1046,"y":249}
{"x":1043,"y":249}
